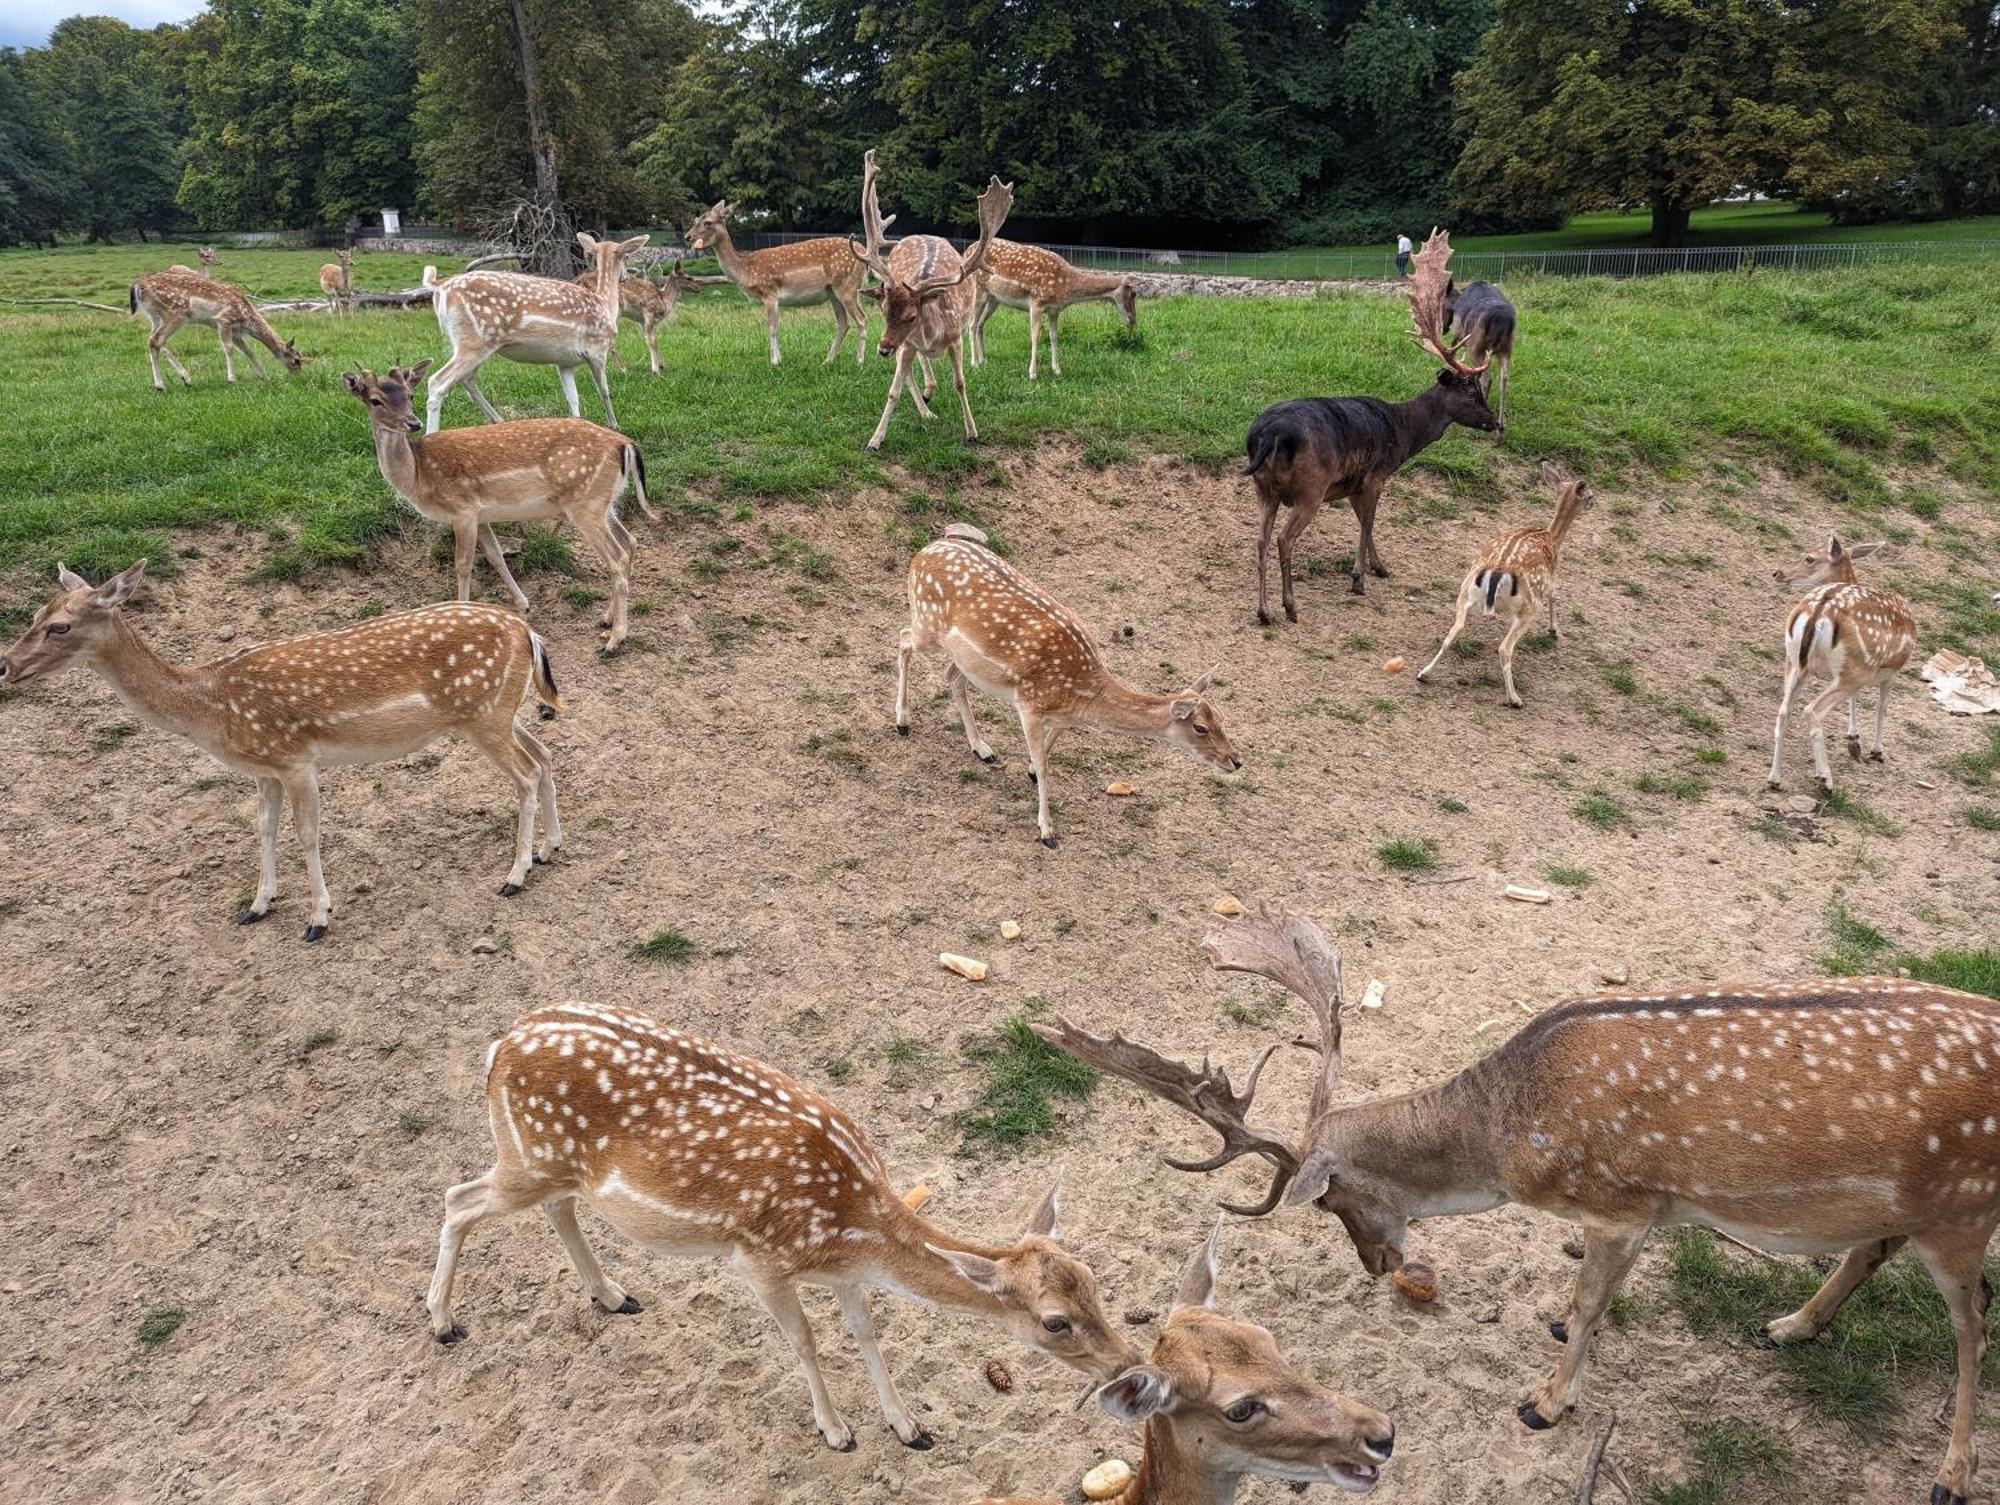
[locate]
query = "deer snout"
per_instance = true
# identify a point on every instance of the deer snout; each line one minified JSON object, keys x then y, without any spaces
{"x":6,"y":671}
{"x":413,"y":424}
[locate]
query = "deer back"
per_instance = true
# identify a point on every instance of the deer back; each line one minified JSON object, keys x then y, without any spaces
{"x":548,"y":464}
{"x":499,"y":308}
{"x":997,"y":624}
{"x":1845,"y":628}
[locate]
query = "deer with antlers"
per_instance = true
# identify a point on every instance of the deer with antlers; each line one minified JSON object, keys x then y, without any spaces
{"x":336,"y":282}
{"x":1515,"y":573}
{"x":179,"y":296}
{"x":1012,"y":639}
{"x":1219,"y":1404}
{"x":518,"y":471}
{"x":690,"y":1149}
{"x":1847,"y":1115}
{"x":369,"y":693}
{"x":1848,"y":634}
{"x":1044,"y":284}
{"x":539,"y":321}
{"x":796,"y":275}
{"x":927,"y":296}
{"x":649,"y":303}
{"x":1313,"y":450}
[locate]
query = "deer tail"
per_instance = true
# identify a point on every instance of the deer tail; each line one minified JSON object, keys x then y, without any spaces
{"x":545,"y":673}
{"x":134,"y":295}
{"x":635,"y":472}
{"x":430,"y":276}
{"x":1496,"y":583}
{"x":1262,"y":447}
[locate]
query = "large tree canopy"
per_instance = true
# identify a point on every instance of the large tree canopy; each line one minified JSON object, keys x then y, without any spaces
{"x":36,"y":176}
{"x":116,"y":105}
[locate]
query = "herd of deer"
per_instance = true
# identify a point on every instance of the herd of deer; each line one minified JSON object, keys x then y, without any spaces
{"x":1848,"y":1116}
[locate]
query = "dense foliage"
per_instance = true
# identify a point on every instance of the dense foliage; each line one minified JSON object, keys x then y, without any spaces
{"x":1179,"y":122}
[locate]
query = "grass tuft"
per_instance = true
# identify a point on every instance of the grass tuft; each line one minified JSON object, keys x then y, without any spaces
{"x":1568,"y":875}
{"x":1409,"y":854}
{"x":1024,"y":1075}
{"x":665,"y":947}
{"x":159,"y":1325}
{"x":1602,"y":811}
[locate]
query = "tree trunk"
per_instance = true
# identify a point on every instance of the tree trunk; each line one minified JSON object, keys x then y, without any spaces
{"x":1670,"y":223}
{"x":558,"y":256}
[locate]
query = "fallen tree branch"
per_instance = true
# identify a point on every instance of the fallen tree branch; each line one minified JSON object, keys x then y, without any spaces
{"x":1586,"y":1487}
{"x":412,"y":298}
{"x":108,"y":308}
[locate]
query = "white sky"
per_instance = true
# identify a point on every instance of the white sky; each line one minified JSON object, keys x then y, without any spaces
{"x":27,"y":23}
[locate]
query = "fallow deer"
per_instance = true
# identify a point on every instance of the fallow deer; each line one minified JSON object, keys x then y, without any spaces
{"x":173,"y":298}
{"x":1849,"y":634}
{"x":649,"y":304}
{"x":1044,"y":284}
{"x":518,"y":471}
{"x":1515,"y":573}
{"x":1843,"y":1114}
{"x":378,"y":690}
{"x":1220,"y":1403}
{"x":208,"y":256}
{"x":927,"y":295}
{"x":1486,"y":320}
{"x":336,"y":283}
{"x":539,"y":321}
{"x":1015,"y":641}
{"x":1313,"y":450}
{"x":795,"y":275}
{"x":690,"y":1149}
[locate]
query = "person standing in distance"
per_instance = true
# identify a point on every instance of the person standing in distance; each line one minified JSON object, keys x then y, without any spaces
{"x":1402,"y":255}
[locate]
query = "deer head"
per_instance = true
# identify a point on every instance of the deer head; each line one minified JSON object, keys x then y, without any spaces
{"x":1834,"y":564}
{"x":1196,"y":728}
{"x":76,"y":625}
{"x":346,"y":259}
{"x":390,"y":399}
{"x":710,"y":226}
{"x":608,"y":256}
{"x":209,"y":258}
{"x":1127,"y":301}
{"x":903,"y":302}
{"x":1432,"y":298}
{"x":289,"y":357}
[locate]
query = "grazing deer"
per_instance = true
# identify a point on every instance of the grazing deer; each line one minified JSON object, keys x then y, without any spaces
{"x":172,"y":298}
{"x":539,"y":321}
{"x":690,"y":1149}
{"x":1849,"y":634}
{"x":518,"y":471}
{"x":208,"y":256}
{"x":1313,"y":450}
{"x":1220,"y":1404}
{"x":927,"y":295}
{"x":1846,"y":1114}
{"x":647,"y":303}
{"x":1044,"y":284}
{"x":336,"y":282}
{"x":795,"y":275}
{"x":1015,"y":641}
{"x":378,"y":690}
{"x":1515,"y":573}
{"x":1486,"y":320}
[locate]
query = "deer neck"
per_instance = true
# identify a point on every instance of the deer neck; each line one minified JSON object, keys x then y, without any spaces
{"x":1116,"y":706}
{"x":735,"y":265}
{"x":911,"y":1270}
{"x":604,"y":279}
{"x":1085,"y":285}
{"x":1424,"y":419}
{"x":396,"y":453}
{"x":1565,"y":519}
{"x":166,"y":695}
{"x":1430,"y":1153}
{"x":1168,"y":1476}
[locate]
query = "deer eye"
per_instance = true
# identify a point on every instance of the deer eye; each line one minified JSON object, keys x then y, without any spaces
{"x":1244,"y":1410}
{"x":57,"y":629}
{"x":1056,"y":1324}
{"x":1201,"y":729}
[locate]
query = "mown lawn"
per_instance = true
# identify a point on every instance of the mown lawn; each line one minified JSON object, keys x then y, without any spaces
{"x":1852,"y":382}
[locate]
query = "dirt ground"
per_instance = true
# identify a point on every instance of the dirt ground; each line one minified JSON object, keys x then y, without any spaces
{"x":224,"y":1121}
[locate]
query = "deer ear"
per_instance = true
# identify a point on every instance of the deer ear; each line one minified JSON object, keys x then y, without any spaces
{"x":588,"y":241}
{"x":120,"y":587}
{"x":1200,"y":686}
{"x":1184,"y":707}
{"x":976,"y":1268}
{"x":1314,"y":1178}
{"x":635,"y":245}
{"x":355,"y":384}
{"x":1043,"y":1223}
{"x":1866,"y":550}
{"x":1140,"y":1392}
{"x":1833,"y":549}
{"x":69,"y":579}
{"x":416,"y":373}
{"x":1198,"y":1279}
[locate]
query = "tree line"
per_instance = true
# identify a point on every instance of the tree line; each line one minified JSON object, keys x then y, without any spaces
{"x":1176,"y":122}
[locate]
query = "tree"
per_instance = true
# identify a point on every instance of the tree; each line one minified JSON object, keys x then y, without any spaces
{"x":35,"y":170}
{"x":1673,"y":103}
{"x":117,"y":112}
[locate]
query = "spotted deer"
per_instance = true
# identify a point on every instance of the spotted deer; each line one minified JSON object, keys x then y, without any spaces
{"x":1313,"y":450}
{"x":369,"y":693}
{"x":1220,"y":1404}
{"x":927,"y":296}
{"x":1843,"y":1115}
{"x":798,"y":274}
{"x":518,"y":471}
{"x":649,"y":304}
{"x":207,"y":256}
{"x":539,"y":321}
{"x":336,"y":283}
{"x":1012,"y":639}
{"x":690,"y":1149}
{"x":178,"y":296}
{"x":1044,"y":284}
{"x":1849,"y":634}
{"x":1514,"y":574}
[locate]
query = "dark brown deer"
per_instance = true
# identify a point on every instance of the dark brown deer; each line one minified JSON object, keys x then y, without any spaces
{"x":1841,"y":1115}
{"x":1313,"y":450}
{"x":1486,"y":321}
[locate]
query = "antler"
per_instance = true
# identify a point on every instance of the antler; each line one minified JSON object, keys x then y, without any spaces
{"x":1293,"y":952}
{"x":1427,"y":289}
{"x":993,"y":207}
{"x":872,"y":223}
{"x":1205,"y":1093}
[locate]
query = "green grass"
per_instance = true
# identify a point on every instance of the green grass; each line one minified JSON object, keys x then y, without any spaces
{"x":1022,"y":1076}
{"x":1844,"y":805}
{"x":1855,"y":947}
{"x":1569,"y":875}
{"x":1977,"y":768}
{"x":1409,"y":854}
{"x":1731,"y":1462}
{"x":1982,"y":818}
{"x":665,"y":947}
{"x":908,"y":1058}
{"x":1679,"y":786}
{"x":159,"y":1325}
{"x":1700,"y":366}
{"x":1601,"y":810}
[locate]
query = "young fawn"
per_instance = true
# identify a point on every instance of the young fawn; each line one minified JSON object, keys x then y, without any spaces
{"x":378,"y":690}
{"x":513,"y":471}
{"x":178,"y":296}
{"x":690,"y":1149}
{"x":1044,"y":284}
{"x":336,"y":283}
{"x":1515,"y":573}
{"x":1838,"y":1116}
{"x":1220,"y":1403}
{"x":1020,"y":645}
{"x":1849,"y":634}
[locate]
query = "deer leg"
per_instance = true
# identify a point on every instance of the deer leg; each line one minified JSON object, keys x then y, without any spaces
{"x":961,"y":698}
{"x":270,"y":805}
{"x":452,"y":373}
{"x":1554,"y":631}
{"x":1881,"y":715}
{"x":854,"y":1311}
{"x":1505,"y":363}
{"x":921,"y":395}
{"x":1795,"y":678}
{"x":975,"y":332}
{"x":492,"y":1195}
{"x":302,"y":788}
{"x":958,"y":385}
{"x":464,"y":538}
{"x":603,"y":391}
{"x":603,"y":1290}
{"x":858,"y":312}
{"x":649,"y":332}
{"x":771,"y":327}
{"x":1466,"y":595}
{"x":228,"y":361}
{"x":619,"y":562}
{"x":896,"y":381}
{"x":1034,"y":337}
{"x":839,"y":327}
{"x":906,"y":649}
{"x":1507,"y":643}
{"x":1956,"y":1264}
{"x":504,"y":747}
{"x":1816,"y":717}
{"x":1854,"y":727}
{"x":545,"y":778}
{"x":249,"y":352}
{"x":566,"y":375}
{"x":1370,"y":556}
{"x":489,"y":545}
{"x":1302,"y":514}
{"x":1055,"y":361}
{"x":172,"y":360}
{"x":782,"y":1302}
{"x":1033,"y":730}
{"x":1608,"y":1255}
{"x":1265,"y":525}
{"x":1810,"y":1320}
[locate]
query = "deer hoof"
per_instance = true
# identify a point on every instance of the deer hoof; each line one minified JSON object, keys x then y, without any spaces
{"x":923,"y":1442}
{"x":1263,"y":617}
{"x":1876,"y":756}
{"x":1532,"y":1419}
{"x":902,"y":730}
{"x":1854,"y":748}
{"x":1049,"y":842}
{"x":508,"y":890}
{"x":548,"y":713}
{"x":1358,"y":589}
{"x":992,"y":760}
{"x":314,"y":933}
{"x":1943,"y":1494}
{"x":1559,"y":1331}
{"x":252,"y":916}
{"x":626,"y":1308}
{"x":456,"y":1335}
